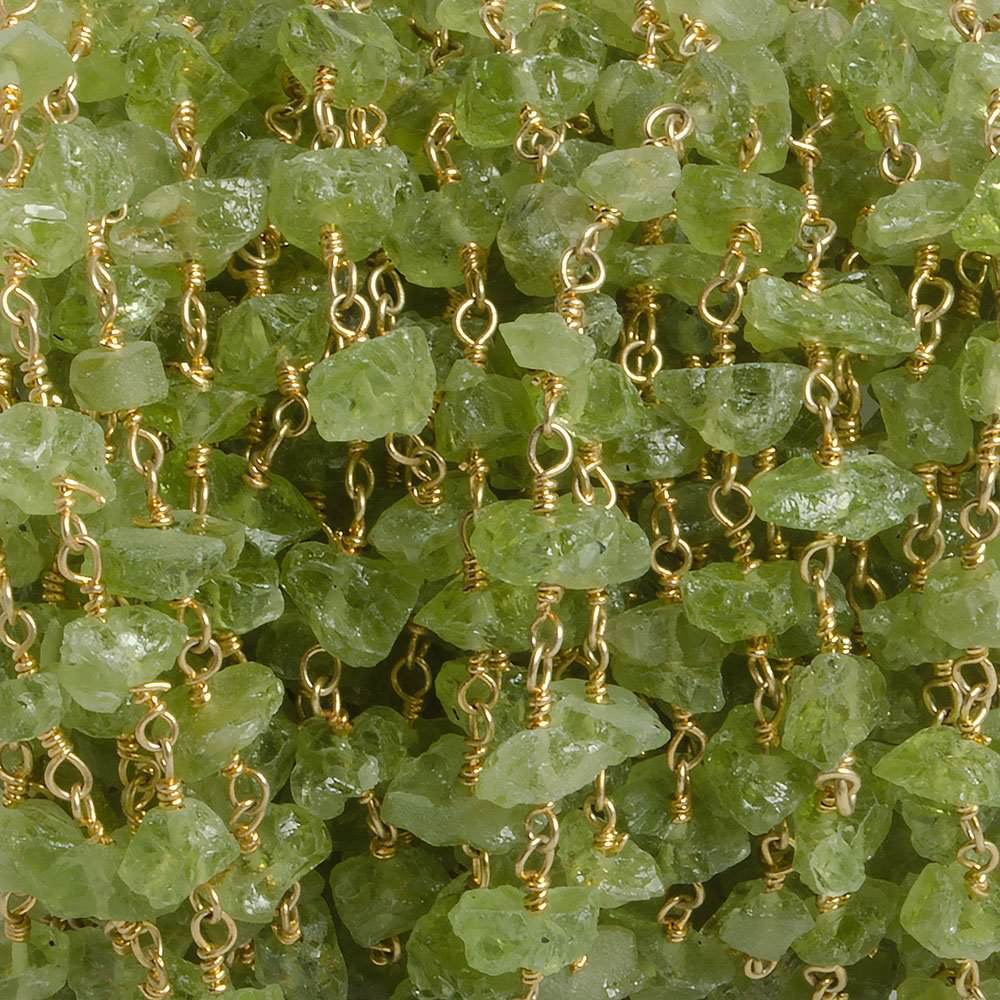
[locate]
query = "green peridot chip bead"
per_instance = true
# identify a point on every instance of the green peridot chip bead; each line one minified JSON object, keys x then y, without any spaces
{"x":896,"y":633}
{"x":613,"y":969}
{"x":576,"y":546}
{"x":500,"y":935}
{"x":638,"y":182}
{"x":862,"y":496}
{"x":377,"y":387}
{"x":30,"y":705}
{"x":130,"y":377}
{"x":356,"y":605}
{"x":761,"y":923}
{"x":33,"y":61}
{"x":190,"y":416}
{"x":35,"y":968}
{"x":919,"y":212}
{"x":313,"y":965}
{"x":101,"y":660}
{"x":849,"y":933}
{"x":978,"y":372}
{"x":49,"y":228}
{"x":543,"y":342}
{"x":978,"y":227}
{"x":962,"y":606}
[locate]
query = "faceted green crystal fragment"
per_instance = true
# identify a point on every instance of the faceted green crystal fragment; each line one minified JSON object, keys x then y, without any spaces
{"x":377,"y":898}
{"x":734,"y":605}
{"x":242,"y":700}
{"x":932,"y":828}
{"x":540,"y":222}
{"x":848,"y":933}
{"x":712,"y":200}
{"x":979,"y":378}
{"x":33,"y":61}
{"x":248,"y":596}
{"x":601,"y":403}
{"x":919,"y":212}
{"x":662,"y":448}
{"x":125,"y":379}
{"x":39,"y":444}
{"x":762,"y":923}
{"x":356,"y":605}
{"x":101,"y":660}
{"x":782,"y":314}
{"x":660,"y":654}
{"x":497,"y":617}
{"x":175,"y":850}
{"x":978,"y":227}
{"x":33,"y":835}
{"x":313,"y":966}
{"x":50,"y":228}
{"x":293,"y":842}
{"x":862,"y":496}
{"x":584,"y":738}
{"x":896,"y":634}
{"x":940,"y":912}
{"x":940,"y":765}
{"x":97,"y":973}
{"x":543,"y":341}
{"x":167,"y":65}
{"x":358,"y":46}
{"x":500,"y":935}
{"x":924,"y":419}
{"x":756,"y":21}
{"x":202,"y":219}
{"x":963,"y":605}
{"x":378,"y":387}
{"x":190,"y":416}
{"x":833,"y":704}
{"x":154,"y":564}
{"x":614,"y":877}
{"x":757,"y":787}
{"x":36,"y":968}
{"x":353,"y":190}
{"x":736,"y":408}
{"x":427,"y":798}
{"x":576,"y":546}
{"x":29,"y":706}
{"x":638,"y":182}
{"x":613,"y":970}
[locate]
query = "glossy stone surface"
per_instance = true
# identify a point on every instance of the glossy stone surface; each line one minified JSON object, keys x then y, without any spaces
{"x":29,"y":706}
{"x":104,"y":381}
{"x":545,"y":343}
{"x":638,"y":182}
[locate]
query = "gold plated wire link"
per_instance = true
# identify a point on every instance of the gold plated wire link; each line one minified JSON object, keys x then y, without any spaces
{"x":212,"y":956}
{"x":20,"y":308}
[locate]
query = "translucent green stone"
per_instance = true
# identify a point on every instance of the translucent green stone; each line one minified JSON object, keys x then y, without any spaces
{"x":932,"y":828}
{"x":510,"y":711}
{"x":638,"y":182}
{"x":613,"y":970}
{"x":248,"y":596}
{"x":360,"y":47}
{"x":896,"y":633}
{"x":36,"y":968}
{"x":429,"y":230}
{"x":921,"y":988}
{"x":738,"y":408}
{"x":941,"y":915}
{"x":202,"y":219}
{"x":541,"y":221}
{"x":544,"y":342}
{"x":293,"y":842}
{"x":963,"y":605}
{"x":576,"y":546}
{"x":964,"y":772}
{"x":481,"y":410}
{"x":95,"y":972}
{"x":979,"y":378}
{"x":782,"y":314}
{"x":978,"y":227}
{"x":757,"y":21}
{"x":850,"y":932}
{"x":151,"y":154}
{"x":660,"y":654}
{"x":427,"y":798}
{"x":862,"y":496}
{"x":39,"y":444}
{"x":495,"y":618}
{"x":756,"y":787}
{"x":810,"y":35}
{"x":674,"y":269}
{"x":33,"y":834}
{"x":613,"y":879}
{"x":542,"y":765}
{"x":126,"y":379}
{"x":463,"y":15}
{"x":190,"y":416}
{"x":600,"y":403}
{"x":356,"y":605}
{"x":833,"y":704}
{"x":377,"y":898}
{"x":761,"y":923}
{"x":711,"y":200}
{"x":266,"y":331}
{"x":32,"y":60}
{"x":354,"y":190}
{"x":313,"y":966}
{"x":661,"y":448}
{"x":100,"y":661}
{"x":500,"y":935}
{"x":175,"y":850}
{"x":681,"y":970}
{"x":242,"y":700}
{"x":919,"y":212}
{"x":29,"y":706}
{"x":167,"y":65}
{"x":163,"y":564}
{"x":924,"y":419}
{"x":626,"y":93}
{"x":734,"y":605}
{"x":378,"y":387}
{"x":50,"y":228}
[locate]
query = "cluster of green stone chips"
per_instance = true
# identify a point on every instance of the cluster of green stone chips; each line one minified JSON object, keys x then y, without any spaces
{"x":497,"y":499}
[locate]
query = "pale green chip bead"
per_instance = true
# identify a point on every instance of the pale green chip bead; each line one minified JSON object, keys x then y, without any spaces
{"x":126,"y":378}
{"x":544,"y":342}
{"x":30,"y":705}
{"x":374,"y":388}
{"x":638,"y":182}
{"x":978,"y":372}
{"x":978,"y":227}
{"x":51,"y":229}
{"x":33,"y":61}
{"x":761,"y":923}
{"x":36,"y":968}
